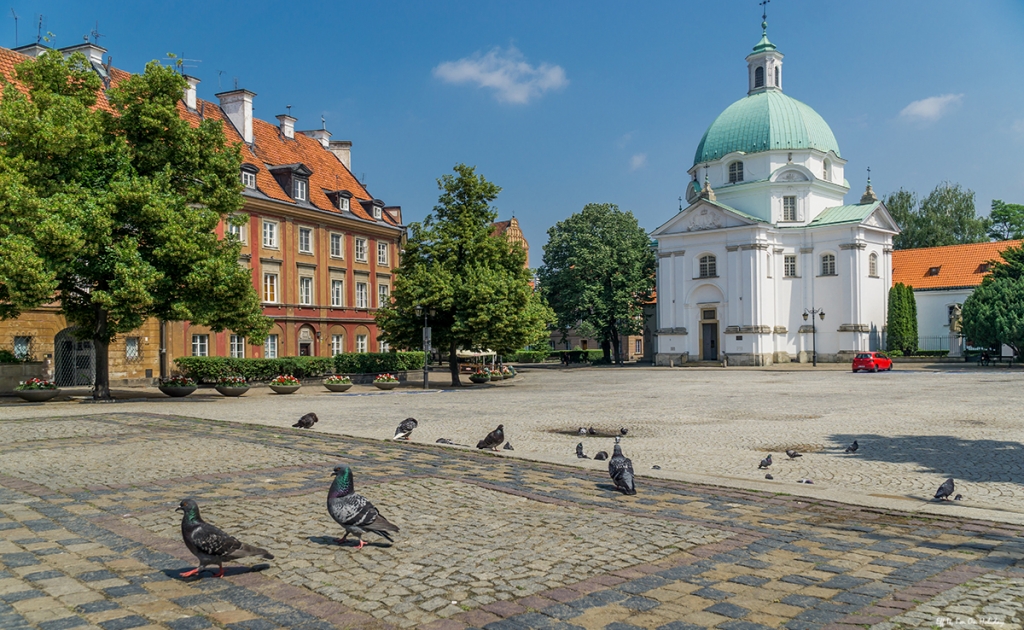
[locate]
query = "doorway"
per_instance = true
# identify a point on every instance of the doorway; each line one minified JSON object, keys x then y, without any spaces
{"x":74,"y":361}
{"x":305,"y":349}
{"x":709,"y":334}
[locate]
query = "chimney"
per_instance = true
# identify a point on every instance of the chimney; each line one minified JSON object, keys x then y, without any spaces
{"x":190,"y":92}
{"x":237,"y":106}
{"x":287,"y":125}
{"x":91,"y":51}
{"x":342,"y":149}
{"x":31,"y":50}
{"x":320,"y":135}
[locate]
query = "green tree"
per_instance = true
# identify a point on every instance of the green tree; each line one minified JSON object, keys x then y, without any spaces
{"x":111,"y":214}
{"x":901,"y":329}
{"x":599,"y":271}
{"x":947,"y":216}
{"x":994,"y":313}
{"x":1007,"y":221}
{"x":910,"y":305}
{"x":475,"y":282}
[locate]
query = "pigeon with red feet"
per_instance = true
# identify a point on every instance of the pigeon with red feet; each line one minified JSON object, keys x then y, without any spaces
{"x":209,"y":543}
{"x":353,"y":511}
{"x":620,"y":468}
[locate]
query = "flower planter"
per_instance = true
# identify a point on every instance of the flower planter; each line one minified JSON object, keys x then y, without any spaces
{"x":177,"y":392}
{"x":285,"y":389}
{"x":36,"y":395}
{"x":386,"y":386}
{"x":338,"y":387}
{"x":480,"y":379}
{"x":495,"y":376}
{"x":231,"y":391}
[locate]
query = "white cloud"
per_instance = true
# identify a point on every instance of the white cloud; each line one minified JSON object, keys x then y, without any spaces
{"x":624,"y":139}
{"x":638,"y":161}
{"x":932,"y":108}
{"x":506,"y":72}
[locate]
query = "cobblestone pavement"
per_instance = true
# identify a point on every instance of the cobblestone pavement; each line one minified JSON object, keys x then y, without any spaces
{"x":486,"y":541}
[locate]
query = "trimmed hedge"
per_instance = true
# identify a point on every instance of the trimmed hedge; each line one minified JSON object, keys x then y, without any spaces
{"x":6,"y":356}
{"x":376,"y":362}
{"x":528,"y":356}
{"x":576,"y":356}
{"x":209,"y":369}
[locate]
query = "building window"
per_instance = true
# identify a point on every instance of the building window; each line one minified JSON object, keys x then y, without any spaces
{"x":873,"y":265}
{"x":270,"y":287}
{"x":270,"y":234}
{"x":735,"y":172}
{"x":248,"y":179}
{"x":337,"y":344}
{"x":343,"y":203}
{"x":270,"y":347}
{"x":707,"y":267}
{"x":306,"y":240}
{"x":377,"y":212}
{"x":789,"y":267}
{"x":826,"y":168}
{"x":361,"y":249}
{"x":337,"y":293}
{"x":789,"y":208}
{"x":361,"y":343}
{"x":305,"y":290}
{"x":758,"y":77}
{"x":21,"y":347}
{"x":301,"y":189}
{"x":639,"y":348}
{"x":382,"y":254}
{"x":132,"y":352}
{"x":383,"y":346}
{"x":337,"y":246}
{"x":383,"y":295}
{"x":361,"y":295}
{"x":828,"y":265}
{"x":200,"y":345}
{"x":777,"y":76}
{"x":238,"y":231}
{"x":237,"y":347}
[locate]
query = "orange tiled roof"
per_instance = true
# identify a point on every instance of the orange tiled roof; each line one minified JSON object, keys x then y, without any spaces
{"x":957,"y":265}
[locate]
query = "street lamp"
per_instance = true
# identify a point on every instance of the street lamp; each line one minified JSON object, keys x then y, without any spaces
{"x":820,"y":312}
{"x":426,"y":342}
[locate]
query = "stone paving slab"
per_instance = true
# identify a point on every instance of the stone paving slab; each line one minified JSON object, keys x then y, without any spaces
{"x":514,"y":544}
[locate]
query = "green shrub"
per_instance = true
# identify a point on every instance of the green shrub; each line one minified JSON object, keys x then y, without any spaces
{"x":894,"y":353}
{"x":931,"y":353}
{"x":6,"y":356}
{"x":209,"y":369}
{"x":578,"y":356}
{"x":528,"y":356}
{"x":376,"y":362}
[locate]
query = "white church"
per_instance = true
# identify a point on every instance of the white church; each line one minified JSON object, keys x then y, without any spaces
{"x":767,"y":263}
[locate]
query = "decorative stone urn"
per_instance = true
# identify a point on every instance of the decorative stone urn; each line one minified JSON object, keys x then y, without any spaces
{"x":338,"y":387}
{"x":177,"y":392}
{"x":36,"y":395}
{"x":285,"y":389}
{"x":386,"y":386}
{"x":232,"y":391}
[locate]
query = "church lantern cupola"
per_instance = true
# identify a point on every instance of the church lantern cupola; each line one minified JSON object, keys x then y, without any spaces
{"x":764,"y":65}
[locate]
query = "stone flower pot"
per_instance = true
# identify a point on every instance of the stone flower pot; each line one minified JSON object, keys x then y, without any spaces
{"x":177,"y":392}
{"x":36,"y":395}
{"x":480,"y":379}
{"x":386,"y":386}
{"x":338,"y":387}
{"x":495,"y":376}
{"x":231,"y":391}
{"x":285,"y":389}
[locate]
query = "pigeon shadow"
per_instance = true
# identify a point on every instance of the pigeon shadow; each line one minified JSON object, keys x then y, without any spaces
{"x":332,"y":541}
{"x":609,"y":487}
{"x":945,"y":455}
{"x":208,"y":572}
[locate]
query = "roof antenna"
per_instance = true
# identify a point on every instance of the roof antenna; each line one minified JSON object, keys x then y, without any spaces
{"x":15,"y":27}
{"x":236,"y":83}
{"x":39,"y":29}
{"x":219,"y":72}
{"x":95,"y":33}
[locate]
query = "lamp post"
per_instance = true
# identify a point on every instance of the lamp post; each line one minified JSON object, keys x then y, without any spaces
{"x":811,"y":312}
{"x":426,"y":342}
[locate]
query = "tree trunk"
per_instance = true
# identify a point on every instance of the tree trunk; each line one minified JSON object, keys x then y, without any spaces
{"x":453,"y":364}
{"x":606,"y":349}
{"x":615,"y":346}
{"x":101,"y":386}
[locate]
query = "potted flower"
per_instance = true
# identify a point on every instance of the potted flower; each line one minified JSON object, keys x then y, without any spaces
{"x":506,"y":372}
{"x":386,"y":381}
{"x":36,"y":390}
{"x":495,"y":375}
{"x":285,"y":384}
{"x":338,"y":383}
{"x":232,"y":385}
{"x":177,"y":386}
{"x":482,"y":375}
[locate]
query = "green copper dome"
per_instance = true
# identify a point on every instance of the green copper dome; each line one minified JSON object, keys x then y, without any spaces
{"x":765,"y":121}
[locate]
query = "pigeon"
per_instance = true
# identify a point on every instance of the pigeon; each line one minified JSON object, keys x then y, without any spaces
{"x":945,"y":490}
{"x":582,"y":431}
{"x":210,"y":544}
{"x":793,"y":454}
{"x":493,"y":439}
{"x":958,"y":497}
{"x":766,"y":462}
{"x":508,"y":446}
{"x":621,"y":470}
{"x":804,"y":481}
{"x":852,"y":448}
{"x":353,"y":511}
{"x":443,"y":441}
{"x":405,"y":428}
{"x":591,"y":431}
{"x":623,"y":430}
{"x":307,"y":421}
{"x":655,"y":467}
{"x":768,"y":476}
{"x":579,"y":452}
{"x":601,"y":455}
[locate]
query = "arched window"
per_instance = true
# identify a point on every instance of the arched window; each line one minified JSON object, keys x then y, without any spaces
{"x":758,"y":77}
{"x":776,"y":76}
{"x":707,"y":267}
{"x":826,"y":170}
{"x":873,"y":265}
{"x":735,"y":172}
{"x":828,"y":265}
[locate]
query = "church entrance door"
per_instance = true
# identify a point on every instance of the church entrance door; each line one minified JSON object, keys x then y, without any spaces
{"x":709,"y":339}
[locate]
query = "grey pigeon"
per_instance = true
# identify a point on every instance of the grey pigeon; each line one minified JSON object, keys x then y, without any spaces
{"x":493,"y":439}
{"x":621,"y":470}
{"x":804,"y":481}
{"x":793,"y":454}
{"x":210,"y":544}
{"x":508,"y":446}
{"x":768,"y":476}
{"x":591,"y":431}
{"x":945,"y":490}
{"x":623,"y":430}
{"x":852,"y":448}
{"x":443,"y":441}
{"x":655,"y":467}
{"x":353,"y":511}
{"x":601,"y":455}
{"x":307,"y":421}
{"x":405,"y":428}
{"x":579,"y":452}
{"x":958,"y":497}
{"x":766,"y":462}
{"x":582,"y":431}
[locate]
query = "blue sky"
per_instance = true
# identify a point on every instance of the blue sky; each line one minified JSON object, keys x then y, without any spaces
{"x":566,"y":103}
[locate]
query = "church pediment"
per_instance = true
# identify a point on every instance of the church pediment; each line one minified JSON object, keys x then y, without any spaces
{"x":705,"y":215}
{"x":881,"y":219}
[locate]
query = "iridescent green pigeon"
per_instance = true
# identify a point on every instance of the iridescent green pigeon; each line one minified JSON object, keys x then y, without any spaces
{"x":353,"y":511}
{"x":209,"y":543}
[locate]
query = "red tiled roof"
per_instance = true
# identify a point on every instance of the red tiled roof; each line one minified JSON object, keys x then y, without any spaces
{"x":946,"y":267}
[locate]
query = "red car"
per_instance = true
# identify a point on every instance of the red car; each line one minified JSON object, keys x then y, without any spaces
{"x":871,"y":361}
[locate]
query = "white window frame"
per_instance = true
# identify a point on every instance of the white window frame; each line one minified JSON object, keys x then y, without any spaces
{"x":383,"y":295}
{"x":361,"y":344}
{"x":362,"y":294}
{"x":378,"y":213}
{"x":382,"y":253}
{"x":789,"y":208}
{"x":337,"y":245}
{"x":638,"y":346}
{"x":337,"y":344}
{"x":337,"y":293}
{"x":306,"y":290}
{"x":873,"y":265}
{"x":307,"y":247}
{"x":270,"y":288}
{"x":200,"y":345}
{"x":361,"y":250}
{"x":270,"y":234}
{"x":707,"y":266}
{"x":789,"y":266}
{"x":828,"y":265}
{"x":249,"y":179}
{"x":383,"y":346}
{"x":237,"y":347}
{"x":270,"y":347}
{"x":343,"y":203}
{"x":301,"y":189}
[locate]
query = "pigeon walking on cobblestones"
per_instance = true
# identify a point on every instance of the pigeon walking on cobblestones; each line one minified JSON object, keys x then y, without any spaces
{"x":405,"y":428}
{"x":601,"y":456}
{"x":793,"y":454}
{"x":307,"y":421}
{"x":209,"y":543}
{"x":852,"y":448}
{"x":945,"y":490}
{"x":766,"y":462}
{"x":620,"y":468}
{"x":579,"y":452}
{"x":353,"y":511}
{"x":493,"y":439}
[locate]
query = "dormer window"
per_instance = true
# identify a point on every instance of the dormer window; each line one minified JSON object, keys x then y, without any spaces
{"x":249,"y":176}
{"x":377,"y":213}
{"x":343,"y":203}
{"x":735,"y":172}
{"x":293,"y":179}
{"x":301,"y":190}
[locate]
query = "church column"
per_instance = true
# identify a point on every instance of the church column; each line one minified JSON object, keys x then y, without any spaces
{"x":733,"y":281}
{"x":853,"y":333}
{"x":807,"y":272}
{"x":666,"y":290}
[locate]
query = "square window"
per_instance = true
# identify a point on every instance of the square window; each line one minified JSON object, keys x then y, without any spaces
{"x":361,"y":343}
{"x":301,"y":189}
{"x":270,"y":347}
{"x":306,"y":240}
{"x":337,"y":293}
{"x":305,"y":290}
{"x":789,"y":208}
{"x":237,"y":346}
{"x":22,"y":346}
{"x":270,"y":234}
{"x":383,"y":295}
{"x":337,"y":344}
{"x":337,"y":246}
{"x":377,"y":212}
{"x":343,"y":203}
{"x":132,"y":352}
{"x":789,"y":267}
{"x":270,"y":287}
{"x":382,"y":254}
{"x":200,"y":345}
{"x":361,"y":249}
{"x":248,"y":179}
{"x":361,"y":295}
